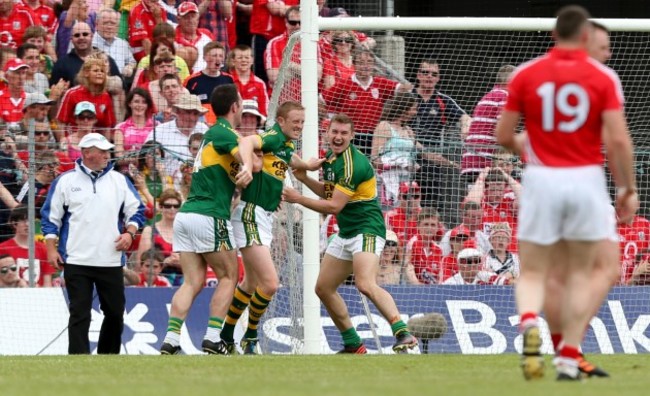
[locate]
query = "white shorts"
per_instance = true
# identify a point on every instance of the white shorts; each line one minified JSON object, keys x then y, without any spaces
{"x":252,"y":225}
{"x":344,"y":249}
{"x":564,"y":203}
{"x":198,"y":233}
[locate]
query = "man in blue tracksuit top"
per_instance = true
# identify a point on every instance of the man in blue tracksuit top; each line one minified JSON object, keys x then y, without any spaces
{"x":94,"y":212}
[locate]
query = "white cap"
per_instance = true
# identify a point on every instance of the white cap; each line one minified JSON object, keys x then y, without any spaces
{"x":391,"y":236}
{"x":469,"y":253}
{"x":95,"y":140}
{"x":84,"y":106}
{"x":250,"y":106}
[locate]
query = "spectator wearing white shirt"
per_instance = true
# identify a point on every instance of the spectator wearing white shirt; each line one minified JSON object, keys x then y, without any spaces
{"x":174,"y":135}
{"x":107,"y":41}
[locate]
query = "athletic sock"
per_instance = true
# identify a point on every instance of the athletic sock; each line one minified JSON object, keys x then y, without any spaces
{"x":528,"y":319}
{"x":556,"y":338}
{"x":173,"y":336}
{"x":256,"y":308}
{"x":351,"y":338}
{"x":239,"y":303}
{"x":399,"y":327}
{"x":213,"y":333}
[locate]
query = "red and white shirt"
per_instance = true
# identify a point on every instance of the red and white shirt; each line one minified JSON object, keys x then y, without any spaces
{"x":564,"y":118}
{"x":634,"y":239}
{"x":426,"y":259}
{"x":12,"y":28}
{"x":396,"y":221}
{"x":158,"y":281}
{"x":480,"y":142}
{"x":362,"y":103}
{"x":43,"y":16}
{"x":264,"y":24}
{"x":103,"y":105}
{"x":254,"y":89}
{"x":141,"y":24}
{"x":202,"y":38}
{"x":11,"y":109}
{"x":21,"y":255}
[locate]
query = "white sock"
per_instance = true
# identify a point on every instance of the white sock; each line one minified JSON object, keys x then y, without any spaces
{"x":173,"y":338}
{"x":213,"y":334}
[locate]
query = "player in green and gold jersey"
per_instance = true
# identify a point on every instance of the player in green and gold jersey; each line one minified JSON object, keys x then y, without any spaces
{"x":202,"y":231}
{"x":350,"y":192}
{"x":252,"y":220}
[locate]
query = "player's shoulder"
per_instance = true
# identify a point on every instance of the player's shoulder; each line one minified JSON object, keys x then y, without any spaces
{"x":530,"y":67}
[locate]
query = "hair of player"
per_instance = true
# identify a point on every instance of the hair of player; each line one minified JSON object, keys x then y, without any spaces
{"x":599,"y":26}
{"x":20,"y":52}
{"x":570,"y":22}
{"x":222,"y":99}
{"x":495,"y":176}
{"x":291,"y":10}
{"x":428,"y":213}
{"x":504,"y":73}
{"x":147,"y":98}
{"x":154,"y":255}
{"x":19,"y":213}
{"x":342,"y":118}
{"x":212,"y":45}
{"x":286,"y":107}
{"x":397,"y":106}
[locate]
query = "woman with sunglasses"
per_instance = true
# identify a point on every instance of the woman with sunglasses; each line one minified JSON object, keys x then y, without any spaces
{"x":161,"y":233}
{"x":339,"y":65}
{"x":9,"y":272}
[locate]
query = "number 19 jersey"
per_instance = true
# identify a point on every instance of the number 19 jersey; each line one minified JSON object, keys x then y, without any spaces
{"x":562,"y":96}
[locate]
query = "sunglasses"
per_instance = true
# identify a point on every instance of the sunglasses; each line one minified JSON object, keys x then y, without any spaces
{"x":41,"y":133}
{"x":86,"y":117}
{"x":4,"y":270}
{"x":413,"y":196}
{"x":171,"y":206}
{"x":391,"y":244}
{"x":159,"y":62}
{"x":474,"y":261}
{"x":293,"y":23}
{"x":347,"y":40}
{"x":84,"y":34}
{"x":429,"y":73}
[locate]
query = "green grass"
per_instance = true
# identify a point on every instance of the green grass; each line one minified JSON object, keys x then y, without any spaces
{"x":395,"y":375}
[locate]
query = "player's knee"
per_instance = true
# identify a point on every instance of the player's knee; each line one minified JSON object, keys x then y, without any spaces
{"x":365,"y":287}
{"x":269,"y":287}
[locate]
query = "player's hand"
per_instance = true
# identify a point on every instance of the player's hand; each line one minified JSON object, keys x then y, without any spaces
{"x":244,"y":177}
{"x":290,"y":195}
{"x":300,"y":174}
{"x":315,"y":163}
{"x":627,"y":203}
{"x":54,"y":258}
{"x":123,"y":242}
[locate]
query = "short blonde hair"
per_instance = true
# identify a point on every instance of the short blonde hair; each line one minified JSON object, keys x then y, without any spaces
{"x":96,"y":59}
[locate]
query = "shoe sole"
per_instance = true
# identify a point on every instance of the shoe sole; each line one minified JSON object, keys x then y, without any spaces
{"x":168,"y":353}
{"x":532,"y":362}
{"x":402,"y":348}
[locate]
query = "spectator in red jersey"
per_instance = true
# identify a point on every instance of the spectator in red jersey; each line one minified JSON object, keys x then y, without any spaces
{"x":472,"y":222}
{"x":639,"y":274}
{"x":480,"y":144}
{"x":267,"y":22}
{"x":93,"y":87}
{"x":18,"y":248}
{"x":422,"y":251}
{"x":189,"y":35}
{"x":393,"y":269}
{"x":404,"y":218}
{"x":14,"y":19}
{"x":498,"y":204}
{"x":339,"y":65}
{"x":12,"y":98}
{"x":634,"y":238}
{"x":9,"y":272}
{"x":362,"y":98}
{"x":142,"y":20}
{"x":151,"y":265}
{"x":43,"y":15}
{"x":500,"y":262}
{"x":249,"y":85}
{"x":160,"y":235}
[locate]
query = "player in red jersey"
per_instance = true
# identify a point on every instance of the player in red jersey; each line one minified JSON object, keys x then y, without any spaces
{"x":566,"y":98}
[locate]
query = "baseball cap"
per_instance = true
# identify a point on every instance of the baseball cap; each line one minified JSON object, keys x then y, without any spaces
{"x":250,"y":107}
{"x":338,"y":11}
{"x":460,"y":231}
{"x":15,"y":64}
{"x":391,"y":236}
{"x":469,"y":253}
{"x":414,"y":188}
{"x":84,"y":106}
{"x":36,"y":98}
{"x":95,"y":140}
{"x":186,"y":7}
{"x":190,"y":102}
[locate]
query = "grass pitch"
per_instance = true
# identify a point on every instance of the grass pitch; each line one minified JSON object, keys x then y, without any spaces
{"x":394,"y":375}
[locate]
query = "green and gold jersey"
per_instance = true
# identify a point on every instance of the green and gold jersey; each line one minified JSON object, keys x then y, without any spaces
{"x":215,"y":169}
{"x":352,"y":174}
{"x":266,"y":188}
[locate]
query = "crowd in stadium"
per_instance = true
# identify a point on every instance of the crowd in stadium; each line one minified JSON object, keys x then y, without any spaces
{"x":141,"y":72}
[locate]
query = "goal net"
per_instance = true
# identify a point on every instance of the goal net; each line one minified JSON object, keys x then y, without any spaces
{"x":425,"y":120}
